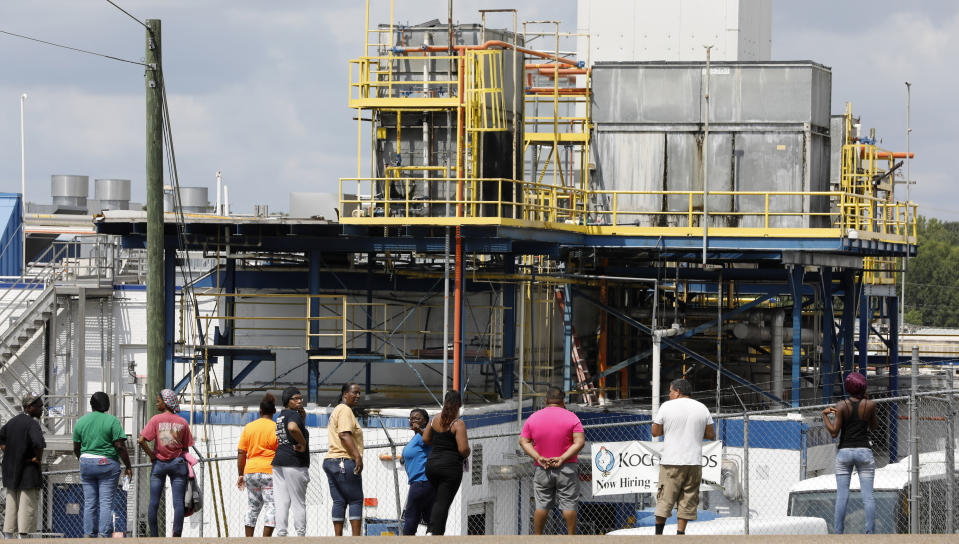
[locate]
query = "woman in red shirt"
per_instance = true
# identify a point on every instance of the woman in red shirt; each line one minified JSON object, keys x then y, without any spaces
{"x":171,"y":436}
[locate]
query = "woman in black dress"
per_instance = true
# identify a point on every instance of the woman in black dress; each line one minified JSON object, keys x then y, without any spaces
{"x":446,"y":433}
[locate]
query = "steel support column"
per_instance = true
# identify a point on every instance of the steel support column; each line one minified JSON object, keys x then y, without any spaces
{"x":848,"y":320}
{"x":865,"y":318}
{"x":313,"y":365}
{"x":795,"y":282}
{"x":370,"y":263}
{"x":229,"y":305}
{"x":892,"y":310}
{"x":509,"y":328}
{"x":828,"y":336}
{"x":169,"y":314}
{"x":567,"y":340}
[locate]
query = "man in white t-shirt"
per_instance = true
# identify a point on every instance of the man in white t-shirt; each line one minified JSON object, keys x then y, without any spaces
{"x":685,"y":423}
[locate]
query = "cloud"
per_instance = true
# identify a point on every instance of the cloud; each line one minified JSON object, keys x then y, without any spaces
{"x":871,"y":61}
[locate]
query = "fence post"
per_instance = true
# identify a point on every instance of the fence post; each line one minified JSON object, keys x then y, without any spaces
{"x":396,"y":477}
{"x":950,"y":454}
{"x":914,"y":438}
{"x":746,"y":472}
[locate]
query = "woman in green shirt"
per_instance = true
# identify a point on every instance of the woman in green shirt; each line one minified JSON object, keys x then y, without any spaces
{"x":99,"y":443}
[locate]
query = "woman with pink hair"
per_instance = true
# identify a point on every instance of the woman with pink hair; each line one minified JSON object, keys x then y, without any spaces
{"x":852,"y":419}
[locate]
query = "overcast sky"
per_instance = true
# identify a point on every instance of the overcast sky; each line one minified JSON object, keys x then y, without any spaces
{"x":258,"y":89}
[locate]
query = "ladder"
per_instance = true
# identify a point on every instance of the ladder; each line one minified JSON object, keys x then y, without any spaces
{"x":582,"y":374}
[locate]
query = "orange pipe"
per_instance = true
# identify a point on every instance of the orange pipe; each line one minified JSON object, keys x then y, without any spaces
{"x":550,"y":69}
{"x":458,"y":264}
{"x":887,"y":154}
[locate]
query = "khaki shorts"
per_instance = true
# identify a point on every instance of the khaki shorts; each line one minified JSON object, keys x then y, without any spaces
{"x":678,"y":484}
{"x":556,"y":487}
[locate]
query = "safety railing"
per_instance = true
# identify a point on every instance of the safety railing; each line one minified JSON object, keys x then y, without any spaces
{"x":334,"y":324}
{"x":380,"y":81}
{"x":386,"y":200}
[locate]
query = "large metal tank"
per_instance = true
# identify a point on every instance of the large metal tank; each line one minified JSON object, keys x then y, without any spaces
{"x":769,"y":132}
{"x":70,"y":192}
{"x":192,"y":199}
{"x":112,"y":194}
{"x":429,"y":138}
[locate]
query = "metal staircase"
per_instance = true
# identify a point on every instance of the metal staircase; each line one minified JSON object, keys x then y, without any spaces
{"x":27,"y":306}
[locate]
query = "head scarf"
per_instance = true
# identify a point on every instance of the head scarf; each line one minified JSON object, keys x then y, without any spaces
{"x":288,"y":394}
{"x":171,"y":400}
{"x":855,"y":384}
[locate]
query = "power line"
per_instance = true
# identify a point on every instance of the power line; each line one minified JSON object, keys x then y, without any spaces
{"x":71,"y":48}
{"x":128,"y":14}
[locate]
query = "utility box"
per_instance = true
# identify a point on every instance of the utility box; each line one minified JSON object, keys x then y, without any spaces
{"x":67,"y":510}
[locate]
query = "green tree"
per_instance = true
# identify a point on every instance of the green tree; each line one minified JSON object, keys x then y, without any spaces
{"x":932,"y":277}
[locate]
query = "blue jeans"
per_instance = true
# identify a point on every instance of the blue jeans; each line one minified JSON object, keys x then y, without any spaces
{"x":99,"y":478}
{"x":346,"y":488}
{"x":178,"y":472}
{"x":865,"y":463}
{"x":419,"y":503}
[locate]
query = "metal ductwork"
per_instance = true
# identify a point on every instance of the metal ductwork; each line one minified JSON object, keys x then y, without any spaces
{"x":69,"y":193}
{"x":112,"y":194}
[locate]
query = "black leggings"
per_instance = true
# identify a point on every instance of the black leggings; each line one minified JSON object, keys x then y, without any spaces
{"x":445,"y":479}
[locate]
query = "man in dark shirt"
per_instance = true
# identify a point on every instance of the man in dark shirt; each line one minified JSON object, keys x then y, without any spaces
{"x":22,"y":443}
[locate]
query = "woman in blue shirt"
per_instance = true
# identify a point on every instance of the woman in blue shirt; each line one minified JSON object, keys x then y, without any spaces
{"x":419,"y":502}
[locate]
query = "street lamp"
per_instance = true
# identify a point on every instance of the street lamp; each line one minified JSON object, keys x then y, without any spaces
{"x":23,"y":191}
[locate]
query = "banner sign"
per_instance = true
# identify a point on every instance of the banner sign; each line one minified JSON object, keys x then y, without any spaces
{"x":633,"y":467}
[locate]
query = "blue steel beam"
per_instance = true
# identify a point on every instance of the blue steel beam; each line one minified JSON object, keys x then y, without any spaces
{"x":229,"y":287}
{"x":677,"y":346}
{"x":509,"y":328}
{"x":865,"y":319}
{"x":849,"y":286}
{"x":796,"y":282}
{"x":828,"y":337}
{"x":313,"y":365}
{"x":892,"y":308}
{"x":567,"y":339}
{"x":169,"y":312}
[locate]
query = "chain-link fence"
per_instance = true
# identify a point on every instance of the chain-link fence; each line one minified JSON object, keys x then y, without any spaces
{"x":776,"y":473}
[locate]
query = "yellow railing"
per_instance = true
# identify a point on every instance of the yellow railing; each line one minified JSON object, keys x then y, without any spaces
{"x":485,"y":104}
{"x":337,"y":323}
{"x":388,"y":200}
{"x":375,"y":81}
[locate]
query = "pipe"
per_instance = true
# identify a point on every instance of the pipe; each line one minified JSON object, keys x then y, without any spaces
{"x":657,"y":371}
{"x":776,"y":353}
{"x":755,"y":333}
{"x":888,"y":154}
{"x":487,"y":45}
{"x":706,"y":162}
{"x":914,"y":443}
{"x":446,"y":308}
{"x":458,"y":271}
{"x":657,"y":362}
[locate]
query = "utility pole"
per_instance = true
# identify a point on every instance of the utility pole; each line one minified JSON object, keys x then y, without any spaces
{"x":156,"y":365}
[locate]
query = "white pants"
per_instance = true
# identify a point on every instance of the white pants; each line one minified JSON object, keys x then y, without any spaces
{"x":289,"y":497}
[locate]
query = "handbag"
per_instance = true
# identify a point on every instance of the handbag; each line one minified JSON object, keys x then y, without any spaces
{"x":193,"y":499}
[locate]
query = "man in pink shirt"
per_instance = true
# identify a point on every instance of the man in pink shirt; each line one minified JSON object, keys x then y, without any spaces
{"x":552,"y":437}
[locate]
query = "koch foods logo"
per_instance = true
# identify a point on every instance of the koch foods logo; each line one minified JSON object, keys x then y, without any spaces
{"x":605,"y":461}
